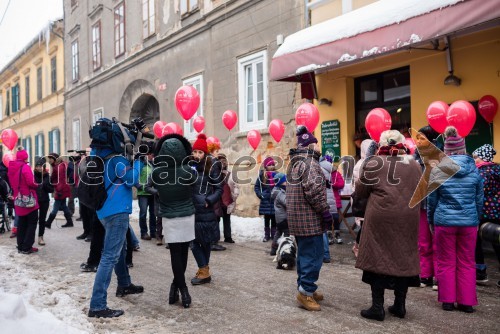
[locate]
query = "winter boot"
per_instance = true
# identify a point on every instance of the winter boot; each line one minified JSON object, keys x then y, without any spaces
{"x":399,"y":307}
{"x":308,"y":302}
{"x":186,"y":298}
{"x":173,"y":295}
{"x":48,"y":223}
{"x":159,"y":240}
{"x":69,"y":221}
{"x":273,"y":232}
{"x":376,"y":312}
{"x":267,"y":234}
{"x":202,"y":276}
{"x":40,"y":241}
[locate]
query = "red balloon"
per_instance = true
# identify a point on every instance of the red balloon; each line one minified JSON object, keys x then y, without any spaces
{"x":253,"y":138}
{"x":307,"y":114}
{"x":488,"y":107}
{"x":172,"y":128}
{"x":410,"y":144}
{"x":199,"y":123}
{"x":229,"y":118}
{"x":277,"y":129}
{"x":462,"y":115}
{"x":8,"y":157}
{"x":436,"y":115}
{"x":187,"y":101}
{"x":377,"y":121}
{"x":9,"y":138}
{"x":213,"y":140}
{"x":158,"y":128}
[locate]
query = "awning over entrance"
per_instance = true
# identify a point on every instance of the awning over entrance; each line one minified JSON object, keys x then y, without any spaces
{"x":380,"y":28}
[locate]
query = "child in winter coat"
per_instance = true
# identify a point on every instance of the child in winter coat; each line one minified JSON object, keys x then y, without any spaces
{"x":453,"y":211}
{"x":230,"y":192}
{"x":337,"y":183}
{"x":42,"y":179}
{"x":490,"y":173}
{"x":278,"y":196}
{"x":263,"y":188}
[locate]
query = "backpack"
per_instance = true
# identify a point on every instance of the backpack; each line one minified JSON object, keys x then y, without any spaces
{"x":109,"y":134}
{"x":91,"y":190}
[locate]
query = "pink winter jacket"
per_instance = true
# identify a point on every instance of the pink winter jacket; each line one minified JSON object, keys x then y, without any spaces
{"x":337,"y":185}
{"x":26,"y":184}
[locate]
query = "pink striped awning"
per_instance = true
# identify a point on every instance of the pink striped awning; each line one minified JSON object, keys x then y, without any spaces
{"x":380,"y":28}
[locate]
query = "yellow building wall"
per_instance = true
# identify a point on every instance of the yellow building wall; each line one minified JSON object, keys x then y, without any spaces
{"x":327,"y":11}
{"x":41,"y":115}
{"x":476,"y":61}
{"x":361,"y":3}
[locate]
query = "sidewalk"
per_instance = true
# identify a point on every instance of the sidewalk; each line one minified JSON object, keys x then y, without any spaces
{"x":247,"y":293}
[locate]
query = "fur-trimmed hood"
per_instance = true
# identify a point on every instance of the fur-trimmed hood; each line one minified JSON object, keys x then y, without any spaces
{"x":174,"y":145}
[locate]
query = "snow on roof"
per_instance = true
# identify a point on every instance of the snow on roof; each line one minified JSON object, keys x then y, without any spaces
{"x":368,"y":18}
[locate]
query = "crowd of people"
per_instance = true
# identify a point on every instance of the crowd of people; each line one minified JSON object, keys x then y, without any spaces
{"x":418,"y":214}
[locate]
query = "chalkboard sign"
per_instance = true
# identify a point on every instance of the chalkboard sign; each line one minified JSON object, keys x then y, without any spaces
{"x":330,"y":138}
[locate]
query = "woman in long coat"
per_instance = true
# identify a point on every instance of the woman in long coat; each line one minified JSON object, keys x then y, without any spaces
{"x":388,"y":252}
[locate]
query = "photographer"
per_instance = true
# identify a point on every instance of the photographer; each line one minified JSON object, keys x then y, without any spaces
{"x":119,"y":178}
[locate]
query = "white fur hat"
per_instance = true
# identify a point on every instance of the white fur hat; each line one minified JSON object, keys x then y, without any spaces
{"x":391,"y":137}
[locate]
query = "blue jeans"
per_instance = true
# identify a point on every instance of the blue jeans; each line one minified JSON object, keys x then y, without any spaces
{"x":113,"y":256}
{"x":326,"y":247}
{"x":60,"y":204}
{"x":201,"y":253}
{"x":135,"y":241}
{"x":146,"y":201}
{"x":309,"y":261}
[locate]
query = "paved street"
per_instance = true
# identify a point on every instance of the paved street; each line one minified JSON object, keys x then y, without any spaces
{"x":247,"y":294}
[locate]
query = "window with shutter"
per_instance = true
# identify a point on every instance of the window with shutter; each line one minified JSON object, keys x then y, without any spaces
{"x":27,"y":90}
{"x":7,"y":103}
{"x":53,"y":74}
{"x":39,"y":83}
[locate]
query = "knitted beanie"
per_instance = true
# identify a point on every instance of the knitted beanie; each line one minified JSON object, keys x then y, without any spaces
{"x":201,"y":143}
{"x":453,"y":143}
{"x":269,"y":161}
{"x":485,"y":152}
{"x":280,"y":178}
{"x":304,"y":137}
{"x":429,"y":133}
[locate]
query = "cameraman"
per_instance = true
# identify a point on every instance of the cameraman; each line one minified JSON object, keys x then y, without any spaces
{"x":119,"y":178}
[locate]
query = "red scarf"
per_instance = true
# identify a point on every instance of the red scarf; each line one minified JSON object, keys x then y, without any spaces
{"x":393,"y":150}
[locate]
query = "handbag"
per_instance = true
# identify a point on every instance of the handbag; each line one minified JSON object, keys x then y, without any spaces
{"x":24,"y":201}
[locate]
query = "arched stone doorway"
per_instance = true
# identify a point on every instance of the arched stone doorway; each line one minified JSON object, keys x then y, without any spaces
{"x":139,"y":100}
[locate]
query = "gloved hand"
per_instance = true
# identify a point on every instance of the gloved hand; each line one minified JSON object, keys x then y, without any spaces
{"x":327,"y":220}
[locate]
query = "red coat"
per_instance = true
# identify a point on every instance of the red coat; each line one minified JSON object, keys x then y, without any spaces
{"x":59,"y":180}
{"x":337,"y":185}
{"x":24,"y":184}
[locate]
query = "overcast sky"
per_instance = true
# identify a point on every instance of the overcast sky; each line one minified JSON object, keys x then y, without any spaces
{"x":23,"y":21}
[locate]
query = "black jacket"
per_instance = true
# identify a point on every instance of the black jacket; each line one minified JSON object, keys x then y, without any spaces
{"x":44,"y":186}
{"x":263,"y":192}
{"x":207,"y":192}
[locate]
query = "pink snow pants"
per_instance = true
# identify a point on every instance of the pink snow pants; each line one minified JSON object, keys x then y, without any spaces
{"x":456,"y":266}
{"x":426,"y":248}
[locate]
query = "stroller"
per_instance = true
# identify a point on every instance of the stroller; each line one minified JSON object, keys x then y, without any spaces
{"x":5,"y":193}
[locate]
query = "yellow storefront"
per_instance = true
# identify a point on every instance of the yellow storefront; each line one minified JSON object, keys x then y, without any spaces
{"x":475,"y":60}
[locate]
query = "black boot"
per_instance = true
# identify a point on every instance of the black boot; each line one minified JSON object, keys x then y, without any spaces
{"x":48,"y":223}
{"x":173,"y":296}
{"x":69,"y":221}
{"x":186,"y":298}
{"x":399,"y":307}
{"x":376,"y":312}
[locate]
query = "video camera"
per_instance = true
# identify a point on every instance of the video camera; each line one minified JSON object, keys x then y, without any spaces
{"x":137,"y":126}
{"x":138,"y":130}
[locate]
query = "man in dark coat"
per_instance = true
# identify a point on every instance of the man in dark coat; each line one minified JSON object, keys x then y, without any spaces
{"x":308,"y":213}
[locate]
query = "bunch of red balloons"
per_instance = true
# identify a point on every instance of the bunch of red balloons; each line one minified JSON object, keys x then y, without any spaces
{"x":9,"y":139}
{"x":460,"y":114}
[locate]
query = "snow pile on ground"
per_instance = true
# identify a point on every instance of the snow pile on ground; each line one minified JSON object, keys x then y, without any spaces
{"x":29,"y":305}
{"x":242,"y":229}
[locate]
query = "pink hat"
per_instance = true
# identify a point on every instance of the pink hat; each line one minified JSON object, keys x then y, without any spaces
{"x":269,"y":161}
{"x":22,"y":155}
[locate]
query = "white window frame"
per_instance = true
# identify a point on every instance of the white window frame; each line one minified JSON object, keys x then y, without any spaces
{"x":77,"y":133}
{"x":75,"y":70}
{"x":56,"y":144}
{"x":96,"y":114}
{"x":242,"y":91}
{"x":187,"y":6}
{"x":148,"y":18}
{"x":193,"y":81}
{"x":39,"y":149}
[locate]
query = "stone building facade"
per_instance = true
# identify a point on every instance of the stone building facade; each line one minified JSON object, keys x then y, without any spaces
{"x":127,"y":58}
